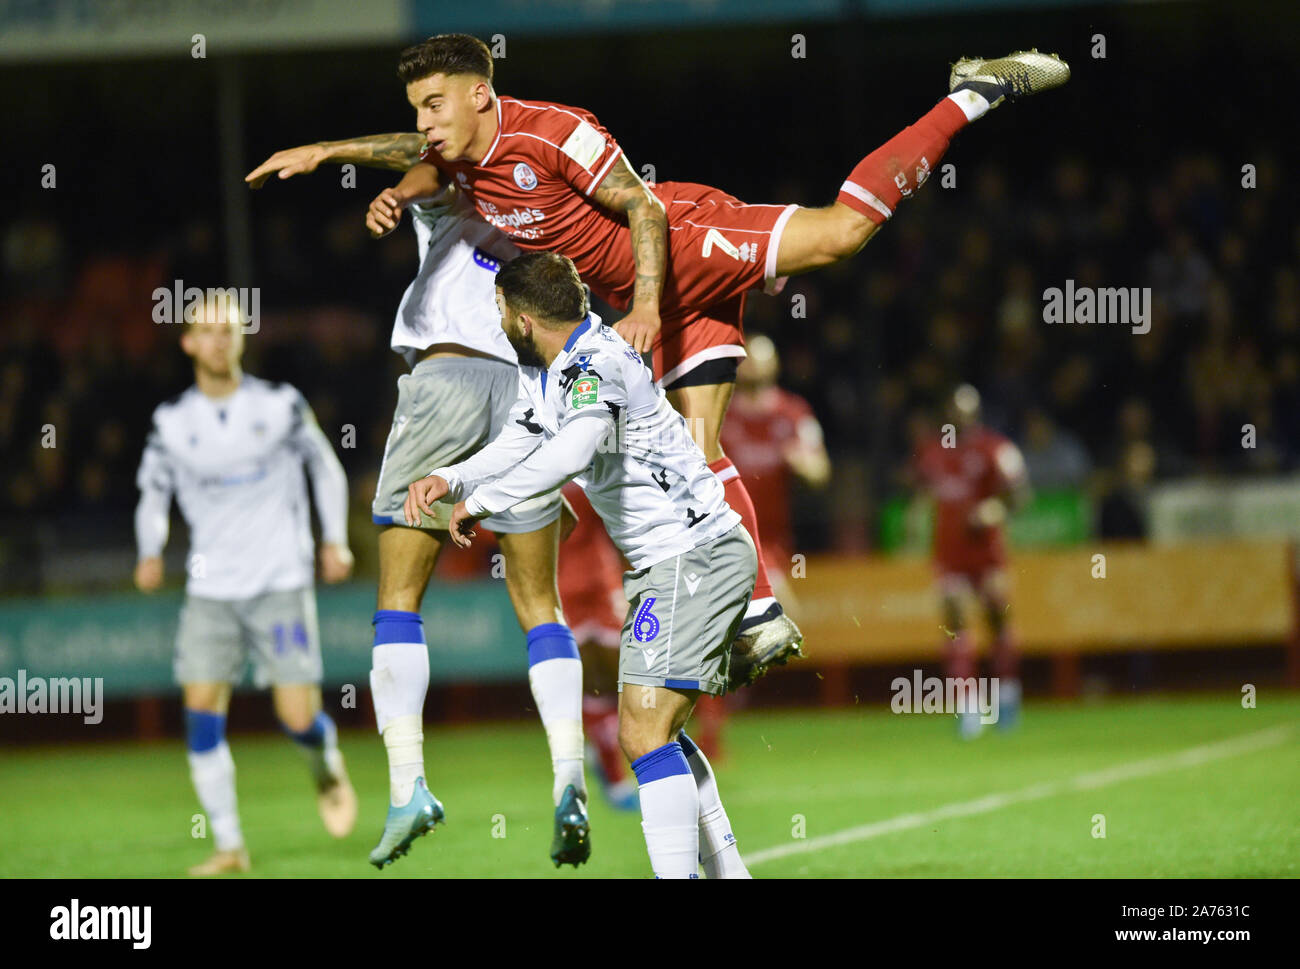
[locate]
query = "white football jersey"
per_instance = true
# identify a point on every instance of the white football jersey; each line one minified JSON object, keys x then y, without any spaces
{"x":235,"y":466}
{"x":453,"y":296}
{"x":596,"y":416}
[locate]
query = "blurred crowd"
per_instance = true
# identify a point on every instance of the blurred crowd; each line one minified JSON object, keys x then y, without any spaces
{"x":951,"y":291}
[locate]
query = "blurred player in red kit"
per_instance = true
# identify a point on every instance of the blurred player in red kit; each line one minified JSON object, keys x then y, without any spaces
{"x":773,"y":437}
{"x":590,"y":578}
{"x":678,"y":257}
{"x":976,"y":478}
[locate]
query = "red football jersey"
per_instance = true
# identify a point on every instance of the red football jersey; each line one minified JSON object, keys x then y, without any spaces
{"x":981,"y":464}
{"x":759,"y":429}
{"x":535,"y":185}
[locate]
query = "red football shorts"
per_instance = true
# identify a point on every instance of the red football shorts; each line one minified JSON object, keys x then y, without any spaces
{"x":719,"y":249}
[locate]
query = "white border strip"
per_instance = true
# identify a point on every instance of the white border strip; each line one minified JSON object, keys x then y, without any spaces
{"x":862,"y":195}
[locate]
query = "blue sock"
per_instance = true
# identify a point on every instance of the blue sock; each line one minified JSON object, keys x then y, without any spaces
{"x":670,"y":811}
{"x":555,"y":677}
{"x":204,"y":731}
{"x":319,"y":742}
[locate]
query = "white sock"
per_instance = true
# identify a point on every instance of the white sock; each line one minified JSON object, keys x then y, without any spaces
{"x":973,"y":104}
{"x":557,"y":691}
{"x":718,"y":851}
{"x":399,"y":679}
{"x":757,"y":607}
{"x":670,"y":809}
{"x":213,"y":774}
{"x":555,"y":676}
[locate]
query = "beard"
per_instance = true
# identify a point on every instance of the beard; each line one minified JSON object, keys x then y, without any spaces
{"x":525,"y":351}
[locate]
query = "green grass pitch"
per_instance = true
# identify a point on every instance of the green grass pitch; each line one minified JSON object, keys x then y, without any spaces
{"x":1015,"y":803}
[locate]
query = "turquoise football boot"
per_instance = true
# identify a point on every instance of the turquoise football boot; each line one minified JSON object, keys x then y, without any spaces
{"x":572,"y":842}
{"x":404,"y":824}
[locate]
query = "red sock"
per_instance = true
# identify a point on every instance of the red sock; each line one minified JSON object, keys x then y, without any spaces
{"x":1006,"y":656}
{"x":961,"y":656}
{"x":899,"y":166}
{"x":738,"y":498}
{"x":600,"y":724}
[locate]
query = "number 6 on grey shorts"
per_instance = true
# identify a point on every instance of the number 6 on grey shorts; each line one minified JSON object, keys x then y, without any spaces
{"x":683,"y":615}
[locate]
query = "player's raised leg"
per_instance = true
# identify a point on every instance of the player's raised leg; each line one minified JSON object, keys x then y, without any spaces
{"x":555,"y":678}
{"x":817,"y":237}
{"x":212,"y":771}
{"x":399,"y":680}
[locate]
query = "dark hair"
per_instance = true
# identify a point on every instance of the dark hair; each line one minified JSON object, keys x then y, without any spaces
{"x":544,"y":285}
{"x":445,"y":54}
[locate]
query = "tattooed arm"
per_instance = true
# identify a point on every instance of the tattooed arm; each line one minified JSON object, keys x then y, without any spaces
{"x":397,"y":152}
{"x":623,"y":191}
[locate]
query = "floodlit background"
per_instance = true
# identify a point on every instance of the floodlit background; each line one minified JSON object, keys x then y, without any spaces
{"x":1168,"y":162}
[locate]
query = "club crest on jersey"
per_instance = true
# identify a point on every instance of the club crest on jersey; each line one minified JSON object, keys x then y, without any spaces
{"x":584,"y":391}
{"x":525,"y":177}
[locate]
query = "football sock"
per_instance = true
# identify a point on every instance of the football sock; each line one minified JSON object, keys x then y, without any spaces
{"x":1006,"y":656}
{"x":718,"y":852}
{"x":399,"y":679}
{"x":212,"y":769}
{"x":320,"y":744}
{"x":670,"y":811}
{"x":898,"y":167}
{"x":738,"y":498}
{"x":600,"y":724}
{"x":555,"y":676}
{"x":960,"y":658}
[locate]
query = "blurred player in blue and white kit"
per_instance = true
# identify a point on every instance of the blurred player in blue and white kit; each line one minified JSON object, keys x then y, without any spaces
{"x":232,"y":450}
{"x":588,"y":409}
{"x":454,"y":401}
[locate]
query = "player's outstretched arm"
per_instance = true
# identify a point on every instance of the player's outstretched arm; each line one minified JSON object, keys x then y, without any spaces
{"x":329,"y":485}
{"x":396,"y":152}
{"x":623,"y":191}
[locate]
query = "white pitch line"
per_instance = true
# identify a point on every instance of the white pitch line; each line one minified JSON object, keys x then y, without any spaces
{"x":993,"y":802}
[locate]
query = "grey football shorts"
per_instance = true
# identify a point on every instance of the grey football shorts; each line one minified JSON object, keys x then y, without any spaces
{"x":277,"y":631}
{"x":683,"y":614}
{"x":448,"y":409}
